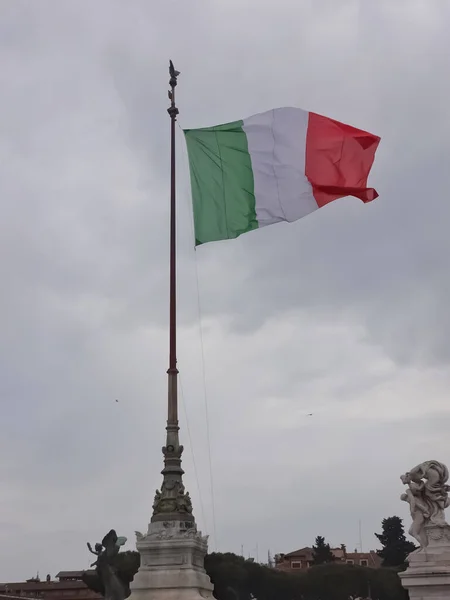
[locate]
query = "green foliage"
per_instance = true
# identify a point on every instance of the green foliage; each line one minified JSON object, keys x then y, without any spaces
{"x":339,"y":581}
{"x":127,"y":565}
{"x":235,"y":578}
{"x":322,"y":552}
{"x":395,"y":545}
{"x":228,"y":573}
{"x":92,"y":580}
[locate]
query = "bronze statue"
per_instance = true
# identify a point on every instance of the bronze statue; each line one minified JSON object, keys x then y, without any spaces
{"x":114,"y":588}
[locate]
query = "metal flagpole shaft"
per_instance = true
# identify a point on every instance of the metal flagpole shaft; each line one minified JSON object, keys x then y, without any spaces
{"x":172,"y":414}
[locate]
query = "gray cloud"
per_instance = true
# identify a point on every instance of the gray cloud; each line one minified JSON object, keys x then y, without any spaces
{"x":343,"y":314}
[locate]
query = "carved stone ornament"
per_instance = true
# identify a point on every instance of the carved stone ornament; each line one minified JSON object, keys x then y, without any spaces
{"x":427,"y":495}
{"x":172,"y":498}
{"x":170,"y":451}
{"x":438,"y":533}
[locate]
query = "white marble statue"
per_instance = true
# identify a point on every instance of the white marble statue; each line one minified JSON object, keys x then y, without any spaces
{"x":427,"y":495}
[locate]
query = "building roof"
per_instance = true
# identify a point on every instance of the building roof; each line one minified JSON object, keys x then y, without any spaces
{"x":41,"y":586}
{"x":306,"y":554}
{"x":68,"y":586}
{"x":12,"y":597}
{"x":306,"y":550}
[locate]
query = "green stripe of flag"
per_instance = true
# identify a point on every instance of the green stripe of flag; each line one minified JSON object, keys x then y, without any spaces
{"x":223,"y":193}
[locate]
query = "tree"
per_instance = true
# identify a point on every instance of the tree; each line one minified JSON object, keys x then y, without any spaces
{"x":322,"y":552}
{"x":339,"y":581}
{"x":235,"y":578}
{"x":395,"y":545}
{"x":228,"y":573}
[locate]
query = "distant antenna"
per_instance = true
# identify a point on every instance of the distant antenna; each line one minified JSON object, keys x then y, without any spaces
{"x":360,"y":537}
{"x":242,"y":549}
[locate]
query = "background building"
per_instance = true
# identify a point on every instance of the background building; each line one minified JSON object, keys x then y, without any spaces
{"x":67,"y":586}
{"x":302,"y":559}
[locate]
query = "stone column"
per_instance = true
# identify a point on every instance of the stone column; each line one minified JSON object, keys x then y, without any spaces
{"x":172,"y":556}
{"x":173,"y":550}
{"x":428,"y":574}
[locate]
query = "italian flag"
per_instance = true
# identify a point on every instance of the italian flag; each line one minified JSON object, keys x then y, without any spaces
{"x":279,"y":165}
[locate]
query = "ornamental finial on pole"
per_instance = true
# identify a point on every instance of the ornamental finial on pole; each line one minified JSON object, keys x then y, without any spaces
{"x":172,"y":110}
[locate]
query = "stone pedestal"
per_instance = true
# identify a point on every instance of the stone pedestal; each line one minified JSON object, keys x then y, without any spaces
{"x":172,"y":563}
{"x":428,"y":574}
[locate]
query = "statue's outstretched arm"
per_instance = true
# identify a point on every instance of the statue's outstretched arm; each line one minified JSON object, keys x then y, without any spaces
{"x":90,"y":550}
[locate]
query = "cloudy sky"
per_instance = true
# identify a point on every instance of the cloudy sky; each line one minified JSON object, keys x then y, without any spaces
{"x":344,"y":314}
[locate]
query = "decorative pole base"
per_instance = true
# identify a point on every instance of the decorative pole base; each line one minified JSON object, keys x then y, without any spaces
{"x":172,"y":563}
{"x":428,"y":574}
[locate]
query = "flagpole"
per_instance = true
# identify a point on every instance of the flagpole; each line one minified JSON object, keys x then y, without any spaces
{"x":172,"y":413}
{"x":173,"y":550}
{"x":172,"y":502}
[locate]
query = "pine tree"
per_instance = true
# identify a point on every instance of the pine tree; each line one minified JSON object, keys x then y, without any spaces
{"x":395,"y":545}
{"x":322,"y":552}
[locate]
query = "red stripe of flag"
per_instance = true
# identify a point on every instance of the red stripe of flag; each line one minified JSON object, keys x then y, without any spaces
{"x":338,"y":160}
